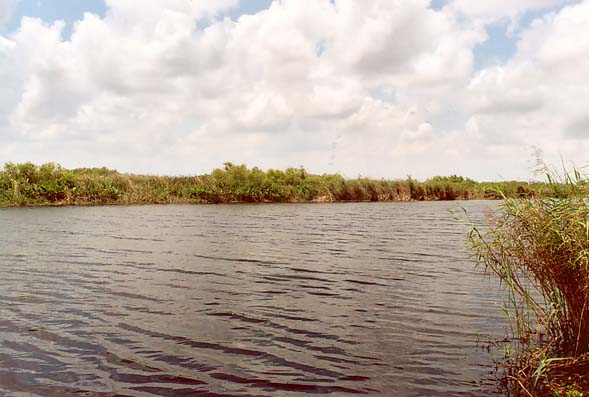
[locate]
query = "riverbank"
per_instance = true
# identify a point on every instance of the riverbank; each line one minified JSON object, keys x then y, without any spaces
{"x":28,"y":184}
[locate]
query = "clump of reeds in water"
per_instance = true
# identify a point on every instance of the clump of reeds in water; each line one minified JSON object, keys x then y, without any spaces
{"x":539,"y":248}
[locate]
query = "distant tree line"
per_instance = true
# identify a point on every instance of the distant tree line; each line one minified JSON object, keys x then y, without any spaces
{"x":50,"y":184}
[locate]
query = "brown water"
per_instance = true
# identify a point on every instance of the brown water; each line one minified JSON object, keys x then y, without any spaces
{"x":245,"y":300}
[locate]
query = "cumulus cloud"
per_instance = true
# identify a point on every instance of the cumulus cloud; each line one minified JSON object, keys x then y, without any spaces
{"x":489,"y":11}
{"x":174,"y":87}
{"x":146,"y":89}
{"x":127,"y":12}
{"x":539,"y":96}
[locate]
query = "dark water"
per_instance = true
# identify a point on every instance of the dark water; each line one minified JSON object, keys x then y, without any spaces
{"x":247,"y":300}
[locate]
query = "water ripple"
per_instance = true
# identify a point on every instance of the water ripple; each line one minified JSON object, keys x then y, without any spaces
{"x":243,"y":300}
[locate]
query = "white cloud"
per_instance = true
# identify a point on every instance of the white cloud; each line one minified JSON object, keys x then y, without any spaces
{"x":489,"y":11}
{"x":540,"y":97}
{"x":127,"y":14}
{"x":145,"y":89}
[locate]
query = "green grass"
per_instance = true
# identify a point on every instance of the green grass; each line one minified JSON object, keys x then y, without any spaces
{"x":539,"y":249}
{"x":50,"y":184}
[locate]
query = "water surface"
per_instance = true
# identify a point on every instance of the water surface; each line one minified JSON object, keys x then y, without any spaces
{"x":243,"y":300}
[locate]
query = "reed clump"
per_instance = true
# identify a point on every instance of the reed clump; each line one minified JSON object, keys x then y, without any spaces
{"x":539,"y":248}
{"x":51,"y":184}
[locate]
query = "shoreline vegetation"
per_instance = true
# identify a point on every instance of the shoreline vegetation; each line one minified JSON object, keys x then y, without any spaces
{"x":50,"y":184}
{"x":539,"y":250}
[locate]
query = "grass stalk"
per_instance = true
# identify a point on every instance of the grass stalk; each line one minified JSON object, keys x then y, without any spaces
{"x":538,"y":247}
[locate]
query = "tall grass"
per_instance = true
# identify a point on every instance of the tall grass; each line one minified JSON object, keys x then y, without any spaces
{"x":539,"y":248}
{"x":51,"y":184}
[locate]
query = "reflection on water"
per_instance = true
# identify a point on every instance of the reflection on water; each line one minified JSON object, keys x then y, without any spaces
{"x":247,"y":300}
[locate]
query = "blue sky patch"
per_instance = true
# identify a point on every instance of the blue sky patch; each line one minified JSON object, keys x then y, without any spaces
{"x":249,"y":7}
{"x":50,"y":11}
{"x":438,"y":4}
{"x":498,"y":48}
{"x":71,"y":11}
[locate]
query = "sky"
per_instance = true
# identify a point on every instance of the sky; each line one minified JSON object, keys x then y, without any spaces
{"x":377,"y":88}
